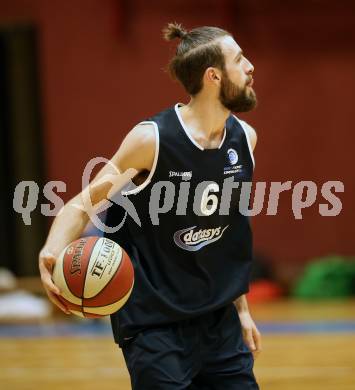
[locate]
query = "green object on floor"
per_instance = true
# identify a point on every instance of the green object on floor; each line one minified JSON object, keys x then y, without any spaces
{"x":327,"y":277}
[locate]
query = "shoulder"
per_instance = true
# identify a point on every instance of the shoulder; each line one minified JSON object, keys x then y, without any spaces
{"x":138,"y":148}
{"x":143,"y":134}
{"x":250,"y":132}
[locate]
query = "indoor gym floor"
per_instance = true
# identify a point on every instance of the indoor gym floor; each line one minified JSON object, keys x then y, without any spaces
{"x":306,"y":346}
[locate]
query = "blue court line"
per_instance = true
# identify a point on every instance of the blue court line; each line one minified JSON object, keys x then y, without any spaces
{"x":85,"y":328}
{"x":308,"y":327}
{"x":94,"y":328}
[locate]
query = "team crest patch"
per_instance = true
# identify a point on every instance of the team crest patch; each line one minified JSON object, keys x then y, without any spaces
{"x":232,"y":156}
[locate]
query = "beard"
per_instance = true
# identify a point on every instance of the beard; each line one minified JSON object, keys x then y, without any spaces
{"x":236,"y":99}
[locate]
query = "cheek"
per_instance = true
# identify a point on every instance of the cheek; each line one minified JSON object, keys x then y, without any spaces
{"x":236,"y":75}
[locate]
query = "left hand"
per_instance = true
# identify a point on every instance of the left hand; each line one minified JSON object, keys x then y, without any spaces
{"x":251,"y":335}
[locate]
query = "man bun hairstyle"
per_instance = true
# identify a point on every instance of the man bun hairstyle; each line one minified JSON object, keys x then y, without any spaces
{"x":174,"y":30}
{"x":197,"y":50}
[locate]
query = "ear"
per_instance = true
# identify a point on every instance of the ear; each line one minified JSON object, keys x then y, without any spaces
{"x":212,"y":74}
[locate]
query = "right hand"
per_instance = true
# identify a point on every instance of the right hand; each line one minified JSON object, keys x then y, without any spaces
{"x":46,"y":265}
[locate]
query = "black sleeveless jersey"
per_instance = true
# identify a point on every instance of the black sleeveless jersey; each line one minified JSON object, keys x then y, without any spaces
{"x":192,"y":253}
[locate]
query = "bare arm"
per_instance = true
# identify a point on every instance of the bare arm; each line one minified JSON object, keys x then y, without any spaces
{"x":135,"y":154}
{"x":251,"y":133}
{"x":251,"y":334}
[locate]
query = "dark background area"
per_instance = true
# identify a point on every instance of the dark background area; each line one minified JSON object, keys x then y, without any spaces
{"x":100,"y":67}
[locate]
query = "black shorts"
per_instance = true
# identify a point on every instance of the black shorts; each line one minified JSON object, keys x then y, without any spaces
{"x":206,"y":352}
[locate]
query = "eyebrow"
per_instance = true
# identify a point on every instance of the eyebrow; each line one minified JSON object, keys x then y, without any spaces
{"x":239,"y":54}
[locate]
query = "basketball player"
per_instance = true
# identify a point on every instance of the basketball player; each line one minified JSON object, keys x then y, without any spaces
{"x":187,"y":323}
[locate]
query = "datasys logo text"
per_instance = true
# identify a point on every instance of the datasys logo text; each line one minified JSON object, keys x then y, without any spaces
{"x":193,"y":240}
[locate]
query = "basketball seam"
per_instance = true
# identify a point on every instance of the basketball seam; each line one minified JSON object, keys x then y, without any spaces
{"x":99,"y":306}
{"x":86,"y":271}
{"x":64,"y":274}
{"x":108,"y":282}
{"x":66,"y":283}
{"x":67,"y":301}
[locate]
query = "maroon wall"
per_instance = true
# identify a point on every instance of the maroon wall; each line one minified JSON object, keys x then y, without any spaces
{"x":102,"y":71}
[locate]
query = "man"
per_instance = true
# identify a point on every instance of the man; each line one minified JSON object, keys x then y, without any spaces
{"x":187,"y":323}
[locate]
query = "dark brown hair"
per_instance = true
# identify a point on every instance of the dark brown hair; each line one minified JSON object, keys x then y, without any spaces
{"x":196,"y":51}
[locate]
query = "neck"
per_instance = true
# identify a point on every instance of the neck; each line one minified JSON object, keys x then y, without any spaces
{"x":206,"y":117}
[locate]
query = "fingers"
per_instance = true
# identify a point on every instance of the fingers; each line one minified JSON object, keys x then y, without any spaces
{"x":248,"y":339}
{"x":54,"y":299}
{"x":46,"y":265}
{"x":48,"y":283}
{"x":252,"y":339}
{"x":257,"y":342}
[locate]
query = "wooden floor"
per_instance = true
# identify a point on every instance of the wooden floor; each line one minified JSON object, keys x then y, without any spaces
{"x":292,"y":361}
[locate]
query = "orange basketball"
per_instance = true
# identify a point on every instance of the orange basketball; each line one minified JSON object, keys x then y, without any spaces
{"x":95,"y":277}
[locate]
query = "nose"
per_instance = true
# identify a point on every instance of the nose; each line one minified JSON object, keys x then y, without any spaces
{"x":249,"y":67}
